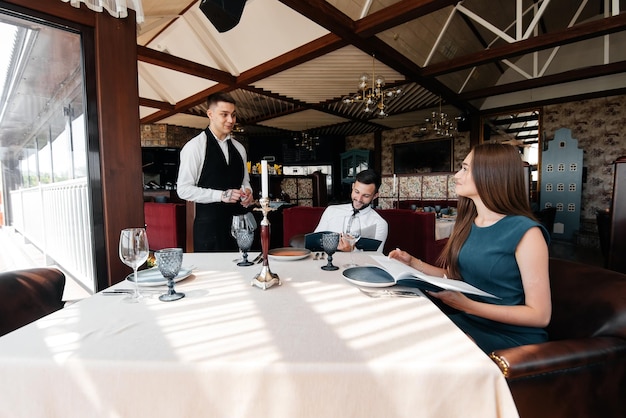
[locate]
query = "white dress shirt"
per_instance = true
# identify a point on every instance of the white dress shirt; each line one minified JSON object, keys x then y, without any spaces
{"x":191,"y":162}
{"x":372,"y":224}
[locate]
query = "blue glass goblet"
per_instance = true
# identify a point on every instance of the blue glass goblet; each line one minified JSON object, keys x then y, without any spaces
{"x":169,"y":261}
{"x":330,"y":241}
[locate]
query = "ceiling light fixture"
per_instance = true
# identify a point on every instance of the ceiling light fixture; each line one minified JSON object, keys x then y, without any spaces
{"x":373,"y":95}
{"x":306,"y":142}
{"x":440,"y":124}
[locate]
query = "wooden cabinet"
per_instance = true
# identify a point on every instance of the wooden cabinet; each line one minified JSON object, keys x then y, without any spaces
{"x":353,"y":162}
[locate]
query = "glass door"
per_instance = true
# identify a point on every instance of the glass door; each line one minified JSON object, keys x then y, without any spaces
{"x":45,"y":184}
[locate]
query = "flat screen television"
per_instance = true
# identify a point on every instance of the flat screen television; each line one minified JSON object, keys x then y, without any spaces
{"x":429,"y":156}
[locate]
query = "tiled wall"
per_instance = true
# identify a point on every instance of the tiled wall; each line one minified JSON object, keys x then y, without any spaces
{"x":161,"y":135}
{"x":439,"y":186}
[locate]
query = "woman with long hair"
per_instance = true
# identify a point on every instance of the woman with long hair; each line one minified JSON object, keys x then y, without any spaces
{"x":497,"y":246}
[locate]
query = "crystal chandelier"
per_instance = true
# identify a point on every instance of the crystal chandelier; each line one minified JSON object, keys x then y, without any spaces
{"x":306,"y":142}
{"x":373,"y":95}
{"x":440,"y":124}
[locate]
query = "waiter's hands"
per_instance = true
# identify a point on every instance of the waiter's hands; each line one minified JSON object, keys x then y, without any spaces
{"x":246,"y":197}
{"x":238,"y":195}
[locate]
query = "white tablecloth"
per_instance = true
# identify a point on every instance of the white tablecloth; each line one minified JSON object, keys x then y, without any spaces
{"x":443,"y":228}
{"x":314,"y":347}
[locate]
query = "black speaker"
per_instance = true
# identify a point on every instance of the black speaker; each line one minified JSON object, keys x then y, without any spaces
{"x":223,"y":14}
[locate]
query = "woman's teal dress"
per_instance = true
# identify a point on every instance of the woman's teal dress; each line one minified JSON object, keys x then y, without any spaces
{"x":487,"y":261}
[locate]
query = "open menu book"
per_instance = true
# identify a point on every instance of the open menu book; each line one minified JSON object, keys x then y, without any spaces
{"x":403,"y":275}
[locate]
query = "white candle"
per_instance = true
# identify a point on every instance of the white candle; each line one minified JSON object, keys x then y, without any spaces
{"x":264,"y":179}
{"x":395,"y":183}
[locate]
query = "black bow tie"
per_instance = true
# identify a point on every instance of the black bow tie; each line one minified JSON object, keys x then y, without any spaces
{"x":355,"y":211}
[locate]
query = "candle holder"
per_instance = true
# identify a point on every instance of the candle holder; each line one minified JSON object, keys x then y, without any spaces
{"x":265,"y":278}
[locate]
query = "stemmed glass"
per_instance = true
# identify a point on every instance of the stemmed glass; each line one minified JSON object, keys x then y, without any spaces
{"x":243,"y":231}
{"x":438,"y":211}
{"x":351,"y":233}
{"x":330,"y":241}
{"x":133,"y":251}
{"x":169,"y":261}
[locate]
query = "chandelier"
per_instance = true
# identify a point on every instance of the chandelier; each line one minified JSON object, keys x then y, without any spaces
{"x":373,"y":95}
{"x":440,"y":124}
{"x":306,"y":142}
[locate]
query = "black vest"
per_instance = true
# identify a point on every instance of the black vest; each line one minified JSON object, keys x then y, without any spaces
{"x":212,"y":222}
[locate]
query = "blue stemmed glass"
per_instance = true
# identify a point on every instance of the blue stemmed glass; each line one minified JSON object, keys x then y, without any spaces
{"x":169,"y":261}
{"x":330,"y":242}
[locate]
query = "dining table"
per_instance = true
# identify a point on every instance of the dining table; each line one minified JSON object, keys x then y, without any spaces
{"x":316,"y":345}
{"x":443,"y":227}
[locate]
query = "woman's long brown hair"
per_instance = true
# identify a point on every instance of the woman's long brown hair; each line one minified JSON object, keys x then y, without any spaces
{"x":498,"y":172}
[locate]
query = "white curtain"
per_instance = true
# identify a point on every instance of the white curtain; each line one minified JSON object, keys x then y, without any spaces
{"x":116,"y":8}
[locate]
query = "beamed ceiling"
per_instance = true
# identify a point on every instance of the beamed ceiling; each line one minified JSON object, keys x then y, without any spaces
{"x":288,"y":63}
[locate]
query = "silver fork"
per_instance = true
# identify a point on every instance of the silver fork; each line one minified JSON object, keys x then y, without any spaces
{"x":386,"y":293}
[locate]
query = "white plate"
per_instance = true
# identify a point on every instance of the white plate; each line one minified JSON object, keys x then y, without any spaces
{"x":153,"y":277}
{"x":288,"y":254}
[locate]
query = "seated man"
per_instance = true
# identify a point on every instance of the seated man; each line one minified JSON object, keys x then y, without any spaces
{"x":364,"y":190}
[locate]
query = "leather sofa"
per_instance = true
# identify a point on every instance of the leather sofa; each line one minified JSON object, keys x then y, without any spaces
{"x":581,"y":370}
{"x":411,"y":231}
{"x":29,"y":295}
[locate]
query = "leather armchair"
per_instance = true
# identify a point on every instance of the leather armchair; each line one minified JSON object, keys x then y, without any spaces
{"x":581,"y":370}
{"x":29,"y":295}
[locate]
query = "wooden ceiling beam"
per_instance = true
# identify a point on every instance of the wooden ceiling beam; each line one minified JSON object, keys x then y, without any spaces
{"x":570,"y":35}
{"x":397,"y":14}
{"x":548,"y":80}
{"x":152,"y":56}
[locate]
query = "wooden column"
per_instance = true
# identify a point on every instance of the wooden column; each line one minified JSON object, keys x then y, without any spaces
{"x":617,"y":243}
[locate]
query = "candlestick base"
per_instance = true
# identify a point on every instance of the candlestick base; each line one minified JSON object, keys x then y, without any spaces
{"x":265,"y":278}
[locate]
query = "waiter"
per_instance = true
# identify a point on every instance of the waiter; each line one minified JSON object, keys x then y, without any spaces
{"x":213,"y":174}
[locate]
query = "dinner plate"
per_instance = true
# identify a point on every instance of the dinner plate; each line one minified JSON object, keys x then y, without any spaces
{"x":288,"y":254}
{"x":368,"y":276}
{"x":153,"y":277}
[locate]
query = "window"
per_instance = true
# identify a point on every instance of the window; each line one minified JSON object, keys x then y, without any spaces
{"x":46,"y":141}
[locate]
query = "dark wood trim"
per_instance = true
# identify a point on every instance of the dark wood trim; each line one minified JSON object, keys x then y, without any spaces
{"x":397,"y":14}
{"x":120,"y":145}
{"x":59,"y":9}
{"x":156,"y":104}
{"x":570,"y":35}
{"x":182,"y":65}
{"x":548,"y":80}
{"x":617,"y":240}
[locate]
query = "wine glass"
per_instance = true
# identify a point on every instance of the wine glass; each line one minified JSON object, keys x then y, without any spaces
{"x":133,"y":251}
{"x":351,"y":233}
{"x":438,"y":211}
{"x":330,"y":241}
{"x":169,"y":261}
{"x":242,"y":229}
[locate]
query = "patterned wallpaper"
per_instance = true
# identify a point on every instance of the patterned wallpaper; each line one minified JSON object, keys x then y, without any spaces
{"x":599,"y":126}
{"x":412,"y":186}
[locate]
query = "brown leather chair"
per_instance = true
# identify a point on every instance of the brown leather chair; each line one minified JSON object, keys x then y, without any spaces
{"x":29,"y":295}
{"x":581,"y":370}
